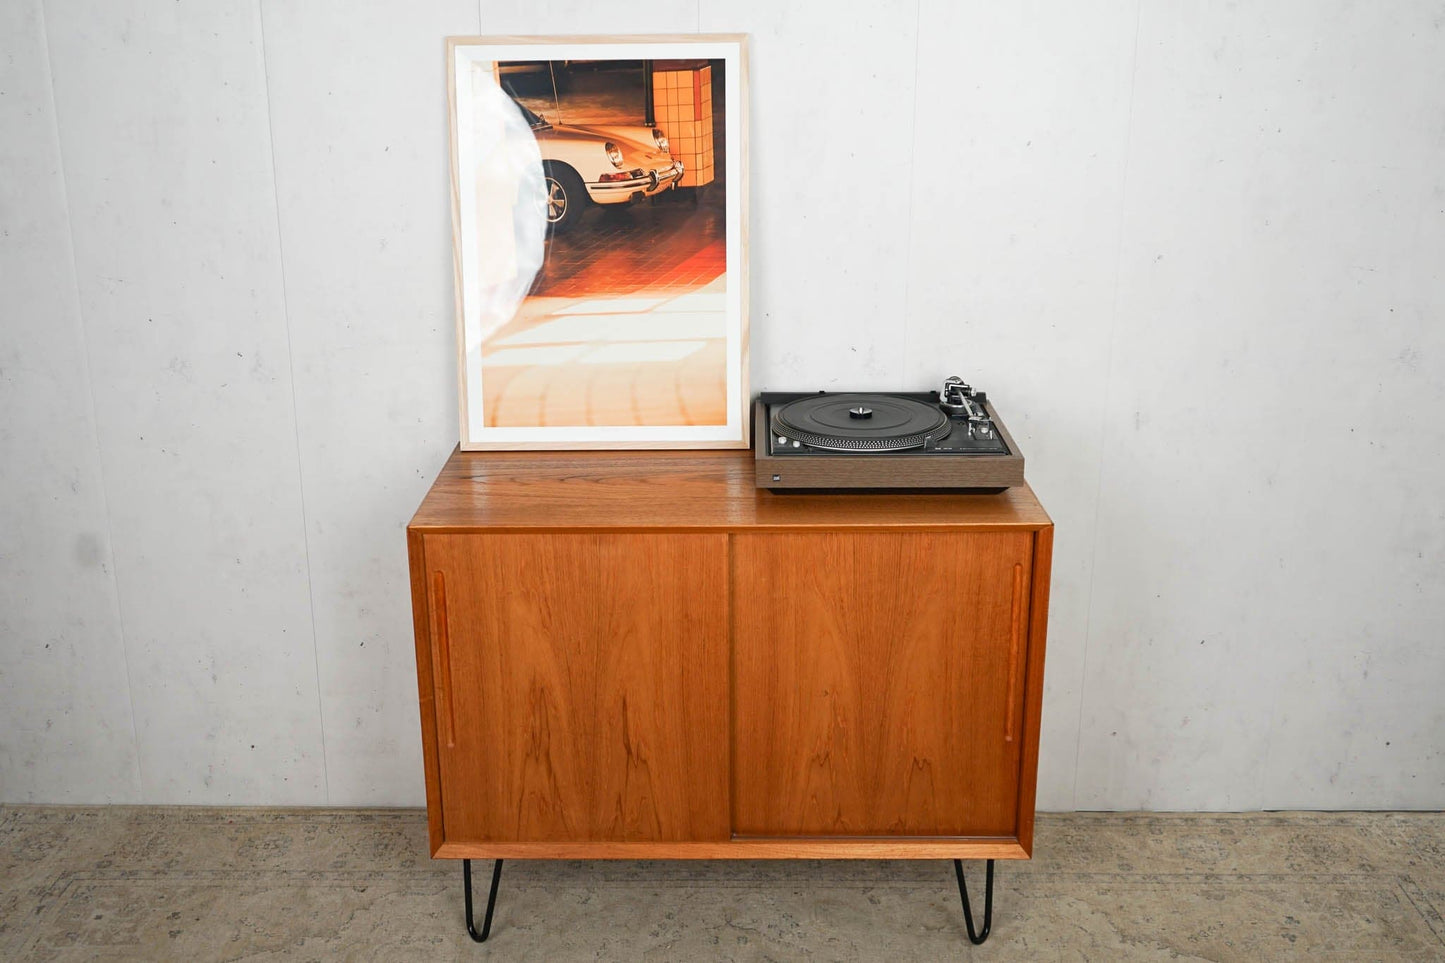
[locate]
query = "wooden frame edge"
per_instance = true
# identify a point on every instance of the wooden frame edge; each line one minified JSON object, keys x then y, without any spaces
{"x":458,"y":321}
{"x":1034,"y":683}
{"x":819,"y":528}
{"x":421,"y":626}
{"x":507,"y":39}
{"x":745,"y":203}
{"x":740,"y":847}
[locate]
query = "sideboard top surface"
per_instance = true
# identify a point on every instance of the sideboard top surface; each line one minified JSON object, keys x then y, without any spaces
{"x":680,"y":491}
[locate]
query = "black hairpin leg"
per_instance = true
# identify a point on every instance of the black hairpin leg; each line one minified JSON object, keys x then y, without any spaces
{"x":491,"y":900}
{"x":976,"y":937}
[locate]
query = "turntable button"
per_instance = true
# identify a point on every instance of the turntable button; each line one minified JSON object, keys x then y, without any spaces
{"x":797,"y":443}
{"x":782,"y":439}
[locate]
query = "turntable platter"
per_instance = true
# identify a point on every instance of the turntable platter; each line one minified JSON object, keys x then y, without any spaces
{"x":860,"y":422}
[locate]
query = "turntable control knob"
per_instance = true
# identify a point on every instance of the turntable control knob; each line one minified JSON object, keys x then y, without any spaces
{"x":782,"y":439}
{"x":797,"y":443}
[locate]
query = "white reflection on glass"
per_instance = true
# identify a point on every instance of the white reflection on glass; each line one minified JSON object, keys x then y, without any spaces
{"x":511,"y":202}
{"x":571,"y":329}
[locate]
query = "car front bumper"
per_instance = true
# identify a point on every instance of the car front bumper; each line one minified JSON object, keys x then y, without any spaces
{"x":645,"y":185}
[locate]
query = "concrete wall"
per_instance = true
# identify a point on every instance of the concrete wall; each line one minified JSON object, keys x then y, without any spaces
{"x":1196,"y":253}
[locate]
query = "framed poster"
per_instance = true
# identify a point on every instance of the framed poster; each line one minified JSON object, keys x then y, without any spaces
{"x":599,"y":198}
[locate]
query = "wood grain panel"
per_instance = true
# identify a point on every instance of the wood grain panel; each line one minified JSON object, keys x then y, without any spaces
{"x":682,"y":491}
{"x":589,"y":687}
{"x":871,"y":683}
{"x":1038,"y":628}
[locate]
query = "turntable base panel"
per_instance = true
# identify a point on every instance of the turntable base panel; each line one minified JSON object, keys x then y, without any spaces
{"x":948,"y":467}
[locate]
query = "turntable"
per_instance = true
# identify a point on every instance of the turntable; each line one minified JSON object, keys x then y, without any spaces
{"x":884,"y":441}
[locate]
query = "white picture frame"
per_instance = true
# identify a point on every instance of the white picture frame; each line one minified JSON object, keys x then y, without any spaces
{"x":600,"y":324}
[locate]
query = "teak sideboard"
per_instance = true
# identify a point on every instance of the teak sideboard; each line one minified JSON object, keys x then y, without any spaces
{"x":642,"y":655}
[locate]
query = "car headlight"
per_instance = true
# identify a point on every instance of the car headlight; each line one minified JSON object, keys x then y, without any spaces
{"x":613,"y":153}
{"x":661,"y":140}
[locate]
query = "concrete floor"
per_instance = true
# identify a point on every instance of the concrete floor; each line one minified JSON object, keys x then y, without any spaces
{"x":126,"y":883}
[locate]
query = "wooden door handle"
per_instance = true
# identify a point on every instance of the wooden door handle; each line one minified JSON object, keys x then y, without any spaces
{"x":442,"y":659}
{"x":1015,"y":633}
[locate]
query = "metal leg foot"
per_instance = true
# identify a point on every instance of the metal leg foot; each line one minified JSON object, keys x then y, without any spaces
{"x":976,"y":937}
{"x":492,"y":900}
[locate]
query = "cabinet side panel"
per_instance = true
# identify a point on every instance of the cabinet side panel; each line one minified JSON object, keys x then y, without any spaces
{"x":871,"y":683}
{"x":588,"y":686}
{"x":420,"y":618}
{"x":1034,"y":683}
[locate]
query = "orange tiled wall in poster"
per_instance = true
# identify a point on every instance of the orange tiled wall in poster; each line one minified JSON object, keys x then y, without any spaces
{"x":682,"y":104}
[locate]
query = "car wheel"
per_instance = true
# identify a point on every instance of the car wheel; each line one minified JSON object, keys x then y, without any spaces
{"x":566,"y":197}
